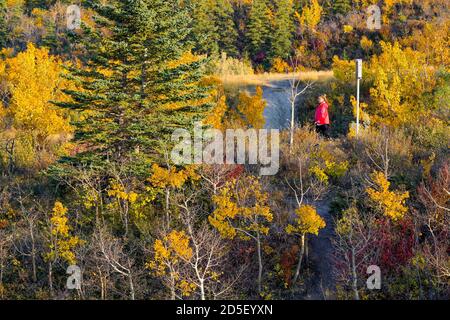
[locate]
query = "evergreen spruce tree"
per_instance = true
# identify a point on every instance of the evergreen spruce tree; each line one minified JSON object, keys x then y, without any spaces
{"x":204,"y":27}
{"x":258,"y":28}
{"x":283,"y":29}
{"x":140,"y":83}
{"x":342,"y":6}
{"x":3,"y":25}
{"x":225,"y":26}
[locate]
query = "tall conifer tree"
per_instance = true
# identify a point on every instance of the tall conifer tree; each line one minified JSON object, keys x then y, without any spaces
{"x":283,"y":28}
{"x":258,"y":28}
{"x":140,"y":83}
{"x":3,"y":25}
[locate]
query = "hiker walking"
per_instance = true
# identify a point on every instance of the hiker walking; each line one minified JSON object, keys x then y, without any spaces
{"x":322,"y":119}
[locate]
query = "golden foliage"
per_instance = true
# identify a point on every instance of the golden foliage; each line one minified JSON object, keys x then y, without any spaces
{"x":241,"y":209}
{"x":434,"y":41}
{"x":165,"y":178}
{"x":344,"y":70}
{"x":348,"y":28}
{"x":366,"y":43}
{"x":249,"y":112}
{"x":280,"y":66}
{"x":307,"y":221}
{"x":392,"y":204}
{"x":400,"y":77}
{"x":32,"y":79}
{"x":169,"y":251}
{"x":63,"y":244}
{"x":217,"y":114}
{"x":311,"y":15}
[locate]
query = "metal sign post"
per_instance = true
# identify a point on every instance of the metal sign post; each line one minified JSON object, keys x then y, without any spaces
{"x":359,"y":75}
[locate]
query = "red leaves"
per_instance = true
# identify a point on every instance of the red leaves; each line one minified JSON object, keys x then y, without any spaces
{"x":287,"y":261}
{"x":396,"y":242}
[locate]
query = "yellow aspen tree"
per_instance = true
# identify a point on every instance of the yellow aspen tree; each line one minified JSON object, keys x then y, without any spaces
{"x":401,"y":77}
{"x":123,"y":201}
{"x":170,"y":179}
{"x":307,"y":221}
{"x":33,"y":79}
{"x":311,"y":15}
{"x":390,"y":203}
{"x":242,"y":210}
{"x":169,"y":253}
{"x":61,"y":242}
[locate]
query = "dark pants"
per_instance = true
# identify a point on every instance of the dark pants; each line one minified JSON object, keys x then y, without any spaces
{"x":323,"y":130}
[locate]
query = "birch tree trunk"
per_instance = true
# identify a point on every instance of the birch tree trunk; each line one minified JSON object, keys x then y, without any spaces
{"x":300,"y":259}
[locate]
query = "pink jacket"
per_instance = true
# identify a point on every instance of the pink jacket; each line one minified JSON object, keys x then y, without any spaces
{"x":322,"y":116}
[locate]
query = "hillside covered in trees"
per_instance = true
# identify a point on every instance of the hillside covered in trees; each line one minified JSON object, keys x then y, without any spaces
{"x":87,"y":117}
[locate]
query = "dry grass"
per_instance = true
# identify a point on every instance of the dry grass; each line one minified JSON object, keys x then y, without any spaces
{"x":265,"y":79}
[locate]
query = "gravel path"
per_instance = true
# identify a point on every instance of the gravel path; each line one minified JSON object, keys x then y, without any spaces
{"x":277,"y":116}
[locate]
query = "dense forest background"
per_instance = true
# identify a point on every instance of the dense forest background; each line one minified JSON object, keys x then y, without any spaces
{"x":86,"y":179}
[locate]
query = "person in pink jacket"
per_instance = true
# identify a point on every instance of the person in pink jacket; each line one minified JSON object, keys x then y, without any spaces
{"x":322,"y":119}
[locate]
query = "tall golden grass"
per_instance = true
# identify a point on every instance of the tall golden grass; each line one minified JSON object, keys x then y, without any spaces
{"x":266,"y":79}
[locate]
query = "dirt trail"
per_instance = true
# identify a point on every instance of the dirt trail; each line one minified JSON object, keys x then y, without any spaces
{"x":323,"y":284}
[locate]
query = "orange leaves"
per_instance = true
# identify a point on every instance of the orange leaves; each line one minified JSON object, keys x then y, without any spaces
{"x":391,"y":203}
{"x":307,"y":221}
{"x":252,"y":107}
{"x":217,"y":114}
{"x":241,"y":209}
{"x":249,"y":112}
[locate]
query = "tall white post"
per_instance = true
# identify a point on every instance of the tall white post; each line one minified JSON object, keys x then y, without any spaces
{"x":359,"y":75}
{"x":357,"y":106}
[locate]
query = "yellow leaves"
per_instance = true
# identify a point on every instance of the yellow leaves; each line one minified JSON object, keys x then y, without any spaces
{"x":433,"y":40}
{"x":253,"y":108}
{"x":187,"y":288}
{"x":319,"y":173}
{"x":251,"y":111}
{"x":280,"y":66}
{"x":186,"y":58}
{"x":14,"y":3}
{"x":343,"y":70}
{"x":241,"y":208}
{"x":311,"y":15}
{"x":169,"y":250}
{"x":59,"y":220}
{"x":364,"y":116}
{"x":117,"y":190}
{"x":392,"y":204}
{"x":325,"y":165}
{"x":307,"y":221}
{"x":349,"y":217}
{"x":401,"y":77}
{"x":348,"y":28}
{"x":63,"y":244}
{"x":226,"y":210}
{"x":336,"y":169}
{"x":179,"y":244}
{"x":32,"y":79}
{"x":217,"y":114}
{"x":366,"y":44}
{"x":165,"y":178}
